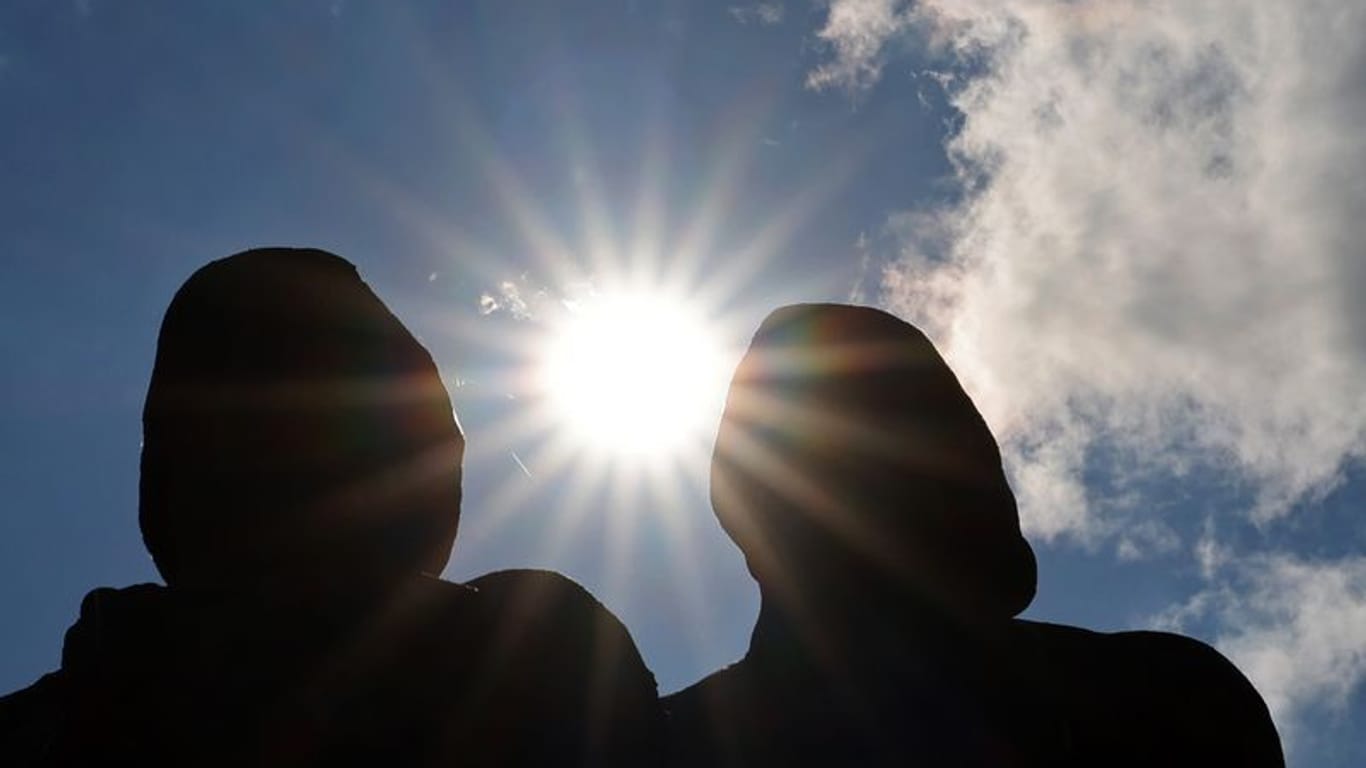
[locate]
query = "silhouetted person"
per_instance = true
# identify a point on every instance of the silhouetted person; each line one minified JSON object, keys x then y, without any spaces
{"x":300,"y":490}
{"x":867,"y":495}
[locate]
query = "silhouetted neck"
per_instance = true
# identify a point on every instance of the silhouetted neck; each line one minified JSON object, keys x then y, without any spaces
{"x":335,"y":595}
{"x":858,"y":639}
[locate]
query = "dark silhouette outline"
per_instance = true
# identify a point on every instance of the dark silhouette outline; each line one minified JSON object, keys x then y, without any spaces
{"x":868,"y":498}
{"x":300,"y":491}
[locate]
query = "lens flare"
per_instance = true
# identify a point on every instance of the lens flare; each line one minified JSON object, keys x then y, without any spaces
{"x":636,"y":376}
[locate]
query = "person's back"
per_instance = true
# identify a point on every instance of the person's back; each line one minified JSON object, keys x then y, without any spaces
{"x":561,"y":679}
{"x":1147,"y":698}
{"x":1047,"y":695}
{"x":868,"y":498}
{"x":434,"y":674}
{"x":300,"y":490}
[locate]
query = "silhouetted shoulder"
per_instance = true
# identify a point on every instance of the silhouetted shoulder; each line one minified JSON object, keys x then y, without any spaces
{"x":1221,"y":709}
{"x":570,"y":667}
{"x":710,"y":720}
{"x":29,"y":720}
{"x":105,"y":657}
{"x":429,"y":673}
{"x":1194,"y":706}
{"x":530,"y":598}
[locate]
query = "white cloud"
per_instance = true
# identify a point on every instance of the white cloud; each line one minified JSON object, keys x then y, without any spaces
{"x":764,"y":14}
{"x":508,"y":298}
{"x":857,"y":32}
{"x":1160,"y":245}
{"x":1296,"y":628}
{"x":1147,"y":539}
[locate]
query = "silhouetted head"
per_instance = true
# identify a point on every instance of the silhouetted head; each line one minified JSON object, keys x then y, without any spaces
{"x":851,"y":466}
{"x":295,"y":433}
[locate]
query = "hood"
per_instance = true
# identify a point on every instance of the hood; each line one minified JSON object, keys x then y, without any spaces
{"x":851,"y":466}
{"x":294,"y":431}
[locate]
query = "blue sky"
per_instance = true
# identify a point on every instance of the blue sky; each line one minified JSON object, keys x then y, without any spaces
{"x":1133,"y":228}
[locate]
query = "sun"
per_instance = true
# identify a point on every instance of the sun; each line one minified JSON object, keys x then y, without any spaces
{"x":633,"y":375}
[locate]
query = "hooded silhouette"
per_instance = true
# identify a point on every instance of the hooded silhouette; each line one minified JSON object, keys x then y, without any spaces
{"x":868,"y":498}
{"x":300,"y":491}
{"x":295,"y":433}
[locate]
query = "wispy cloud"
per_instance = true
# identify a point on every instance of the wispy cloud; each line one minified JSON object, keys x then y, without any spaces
{"x":1159,"y":246}
{"x":1297,"y":628}
{"x":857,"y":33}
{"x":526,"y":299}
{"x":507,"y":298}
{"x":764,"y":14}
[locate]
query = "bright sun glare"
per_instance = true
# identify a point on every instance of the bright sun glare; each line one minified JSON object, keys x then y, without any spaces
{"x":634,"y":375}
